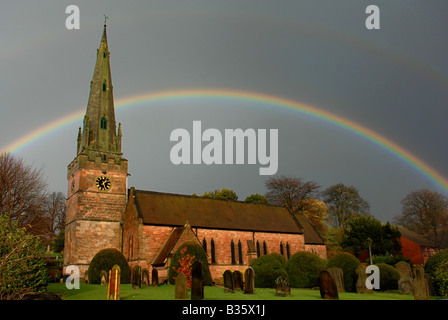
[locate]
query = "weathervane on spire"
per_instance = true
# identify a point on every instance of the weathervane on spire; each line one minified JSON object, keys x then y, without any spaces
{"x":105,"y":19}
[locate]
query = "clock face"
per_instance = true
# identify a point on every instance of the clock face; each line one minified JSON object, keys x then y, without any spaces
{"x":103,"y":183}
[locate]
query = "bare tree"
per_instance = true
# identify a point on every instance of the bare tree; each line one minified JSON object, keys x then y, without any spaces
{"x":290,"y":192}
{"x":54,"y":212}
{"x":424,"y":212}
{"x":22,"y":192}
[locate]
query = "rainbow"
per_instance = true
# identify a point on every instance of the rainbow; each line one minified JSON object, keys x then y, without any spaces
{"x":320,"y":114}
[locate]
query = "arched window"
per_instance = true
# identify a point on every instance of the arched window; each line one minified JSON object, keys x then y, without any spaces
{"x":232,"y":252}
{"x":104,"y":86}
{"x":103,"y":123}
{"x":265,"y":248}
{"x":240,"y":252}
{"x":212,"y":250}
{"x":258,"y":249}
{"x":287,"y":250}
{"x":281,"y":249}
{"x":204,"y":245}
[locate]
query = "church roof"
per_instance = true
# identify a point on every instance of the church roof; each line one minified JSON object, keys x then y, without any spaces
{"x":156,"y":208}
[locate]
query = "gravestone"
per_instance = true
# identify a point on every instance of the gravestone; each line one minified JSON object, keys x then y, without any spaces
{"x":113,"y":290}
{"x":228,"y":281}
{"x":421,"y":291}
{"x":327,"y":286}
{"x":431,"y":286}
{"x":405,"y":282}
{"x":249,"y":281}
{"x":197,"y":281}
{"x":145,"y":277}
{"x":238,"y":283}
{"x":338,"y":275}
{"x":361,"y":282}
{"x":104,"y":278}
{"x":181,"y":286}
{"x":136,"y":277}
{"x":282,"y":288}
{"x":154,"y":277}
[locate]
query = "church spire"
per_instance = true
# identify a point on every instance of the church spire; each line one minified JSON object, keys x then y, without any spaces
{"x":99,"y":134}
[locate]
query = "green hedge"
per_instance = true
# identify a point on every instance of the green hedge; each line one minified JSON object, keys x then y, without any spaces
{"x":105,"y":260}
{"x":389,"y":277}
{"x":267,"y":269}
{"x":348,"y":264}
{"x":303,"y":269}
{"x":433,"y":264}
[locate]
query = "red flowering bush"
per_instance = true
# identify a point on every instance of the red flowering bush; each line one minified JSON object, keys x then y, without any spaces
{"x":186,"y":263}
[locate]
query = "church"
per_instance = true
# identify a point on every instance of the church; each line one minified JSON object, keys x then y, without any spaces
{"x":149,"y":226}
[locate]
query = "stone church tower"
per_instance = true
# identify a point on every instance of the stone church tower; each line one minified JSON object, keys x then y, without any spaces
{"x":96,"y":197}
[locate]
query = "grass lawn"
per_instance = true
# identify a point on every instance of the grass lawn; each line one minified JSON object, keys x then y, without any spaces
{"x":98,"y":292}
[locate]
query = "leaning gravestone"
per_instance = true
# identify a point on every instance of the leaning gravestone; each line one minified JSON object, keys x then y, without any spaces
{"x":249,"y":281}
{"x":421,"y":291}
{"x":181,"y":286}
{"x":103,"y":277}
{"x":228,"y":281}
{"x":327,"y":286}
{"x":154,"y":277}
{"x":282,"y":288}
{"x":361,"y":282}
{"x":405,"y":281}
{"x":113,"y":290}
{"x":338,"y":275}
{"x":145,"y":277}
{"x":136,"y":277}
{"x":238,"y":283}
{"x":197,"y":281}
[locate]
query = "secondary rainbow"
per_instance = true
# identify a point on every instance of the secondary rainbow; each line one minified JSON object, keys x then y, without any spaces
{"x":236,"y":95}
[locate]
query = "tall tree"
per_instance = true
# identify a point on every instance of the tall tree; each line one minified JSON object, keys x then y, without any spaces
{"x":344,"y":203}
{"x":54,"y":208}
{"x":384,"y":238}
{"x":290,"y":192}
{"x":424,"y":211}
{"x":22,"y":191}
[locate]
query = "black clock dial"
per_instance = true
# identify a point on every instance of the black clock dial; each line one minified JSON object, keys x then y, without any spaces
{"x":103,"y":183}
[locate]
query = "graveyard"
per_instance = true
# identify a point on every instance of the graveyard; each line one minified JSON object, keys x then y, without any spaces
{"x":238,"y":286}
{"x":167,"y":292}
{"x":303,"y":277}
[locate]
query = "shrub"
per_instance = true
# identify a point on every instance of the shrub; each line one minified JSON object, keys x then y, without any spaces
{"x":389,"y":277}
{"x":22,"y":266}
{"x":105,"y":260}
{"x":441,"y":278}
{"x":348,"y":264}
{"x":179,"y":261}
{"x":433,"y":264}
{"x":267,"y":269}
{"x":303,"y":269}
{"x":434,"y":261}
{"x":388,"y":259}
